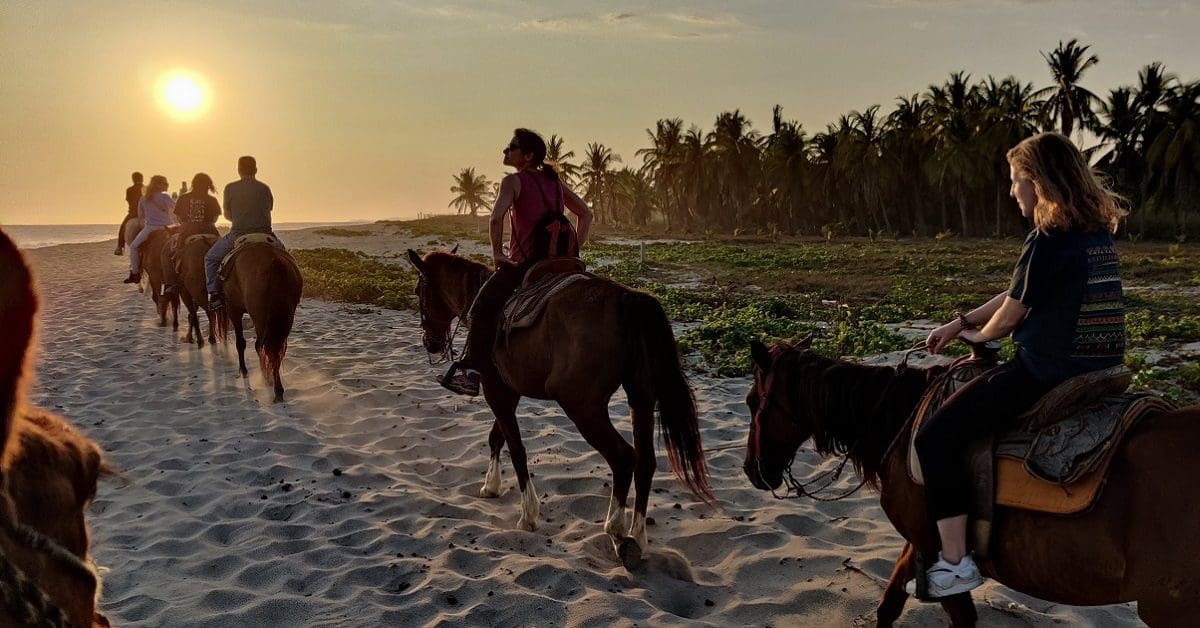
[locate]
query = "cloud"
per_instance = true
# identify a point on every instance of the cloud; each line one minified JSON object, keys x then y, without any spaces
{"x":653,"y":25}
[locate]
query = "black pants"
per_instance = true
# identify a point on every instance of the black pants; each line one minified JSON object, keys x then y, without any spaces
{"x":484,"y":317}
{"x":986,"y":405}
{"x":121,"y":230}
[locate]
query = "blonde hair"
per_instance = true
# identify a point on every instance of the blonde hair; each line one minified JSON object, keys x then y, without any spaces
{"x":1069,"y":193}
{"x":156,"y":179}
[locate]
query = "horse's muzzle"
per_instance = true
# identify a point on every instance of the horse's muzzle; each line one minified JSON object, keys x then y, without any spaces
{"x":756,"y":476}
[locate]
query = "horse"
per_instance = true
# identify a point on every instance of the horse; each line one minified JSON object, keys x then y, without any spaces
{"x":1137,"y":542}
{"x":48,"y":477}
{"x":263,"y":281}
{"x":192,"y":289}
{"x":151,"y":255}
{"x":592,"y":337}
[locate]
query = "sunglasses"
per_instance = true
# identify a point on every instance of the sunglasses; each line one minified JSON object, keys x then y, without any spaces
{"x":511,"y":147}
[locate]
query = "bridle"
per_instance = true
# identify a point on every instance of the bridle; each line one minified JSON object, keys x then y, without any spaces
{"x":447,"y":336}
{"x":829,"y":477}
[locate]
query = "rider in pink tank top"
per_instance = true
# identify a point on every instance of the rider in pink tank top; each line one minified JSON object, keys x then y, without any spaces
{"x":539,"y":194}
{"x":529,"y":193}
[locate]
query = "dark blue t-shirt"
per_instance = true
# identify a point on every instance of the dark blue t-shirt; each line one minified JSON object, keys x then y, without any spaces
{"x":1071,"y":283}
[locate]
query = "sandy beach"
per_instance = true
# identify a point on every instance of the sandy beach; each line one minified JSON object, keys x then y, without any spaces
{"x":354,"y":503}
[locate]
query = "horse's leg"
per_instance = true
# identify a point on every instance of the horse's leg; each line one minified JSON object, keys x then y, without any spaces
{"x":212,"y":326}
{"x":503,"y":402}
{"x":491,"y":482}
{"x":597,"y":429}
{"x":175,"y":313}
{"x":894,"y":595}
{"x":236,"y":318}
{"x":961,"y":609}
{"x":632,"y":548}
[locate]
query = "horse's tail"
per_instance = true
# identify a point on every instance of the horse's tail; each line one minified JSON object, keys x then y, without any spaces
{"x":18,"y":309}
{"x":285,"y":284}
{"x":653,"y":366}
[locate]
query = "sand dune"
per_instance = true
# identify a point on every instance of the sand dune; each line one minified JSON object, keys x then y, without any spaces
{"x":355,"y":502}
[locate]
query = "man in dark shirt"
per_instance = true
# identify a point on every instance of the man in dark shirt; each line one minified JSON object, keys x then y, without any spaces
{"x":248,"y":204}
{"x":133,"y":194}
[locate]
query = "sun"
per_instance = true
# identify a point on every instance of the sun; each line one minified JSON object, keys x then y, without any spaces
{"x":184,"y":95}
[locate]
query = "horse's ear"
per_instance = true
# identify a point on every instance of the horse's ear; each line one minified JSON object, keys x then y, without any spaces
{"x":454,"y":251}
{"x":805,"y":343}
{"x":760,"y":354}
{"x":416,"y":261}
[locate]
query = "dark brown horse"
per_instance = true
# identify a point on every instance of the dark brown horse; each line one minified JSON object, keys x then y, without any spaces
{"x":151,"y":255}
{"x":48,"y":476}
{"x":265,"y":283}
{"x":1137,"y":542}
{"x":593,"y":337}
{"x":192,"y":290}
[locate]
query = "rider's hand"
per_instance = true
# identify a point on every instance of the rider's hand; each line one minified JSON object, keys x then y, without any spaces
{"x":942,"y":336}
{"x":502,"y":260}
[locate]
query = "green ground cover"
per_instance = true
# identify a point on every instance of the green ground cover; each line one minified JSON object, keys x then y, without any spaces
{"x":844,"y":292}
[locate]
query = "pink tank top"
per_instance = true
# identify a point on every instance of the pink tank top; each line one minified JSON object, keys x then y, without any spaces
{"x":539,"y":194}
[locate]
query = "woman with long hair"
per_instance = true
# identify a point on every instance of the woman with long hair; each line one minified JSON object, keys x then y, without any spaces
{"x":1065,"y":313}
{"x":197,"y":212}
{"x":154,"y":210}
{"x":534,"y":198}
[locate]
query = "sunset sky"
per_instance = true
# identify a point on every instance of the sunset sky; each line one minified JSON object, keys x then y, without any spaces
{"x":364,"y":110}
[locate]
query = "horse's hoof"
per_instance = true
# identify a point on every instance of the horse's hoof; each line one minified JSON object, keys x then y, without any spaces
{"x":488,"y":493}
{"x":162,"y":323}
{"x":527,"y":525}
{"x":630,"y":553}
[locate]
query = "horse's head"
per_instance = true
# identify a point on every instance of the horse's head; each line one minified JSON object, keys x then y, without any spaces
{"x":777,"y":427}
{"x":436,"y":278}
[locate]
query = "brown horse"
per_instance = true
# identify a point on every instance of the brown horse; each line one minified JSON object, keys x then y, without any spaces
{"x":48,"y":476}
{"x":264,"y":282}
{"x":1137,"y":542}
{"x":192,"y":290}
{"x":593,"y":337}
{"x":151,"y":255}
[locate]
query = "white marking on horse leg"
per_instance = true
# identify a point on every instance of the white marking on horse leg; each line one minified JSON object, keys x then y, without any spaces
{"x":529,"y":507}
{"x":491,"y":482}
{"x":638,"y":530}
{"x":614,"y":524}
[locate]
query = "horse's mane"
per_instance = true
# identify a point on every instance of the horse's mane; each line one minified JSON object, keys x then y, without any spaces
{"x":452,"y":262}
{"x":853,"y":409}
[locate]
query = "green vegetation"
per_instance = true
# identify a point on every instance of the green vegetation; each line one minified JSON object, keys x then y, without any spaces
{"x":350,"y":277}
{"x":848,"y":293}
{"x":342,"y":233}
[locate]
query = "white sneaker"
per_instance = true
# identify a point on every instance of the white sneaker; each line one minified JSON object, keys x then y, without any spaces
{"x":946,"y":579}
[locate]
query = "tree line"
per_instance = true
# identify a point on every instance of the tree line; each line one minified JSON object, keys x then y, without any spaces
{"x":935,"y":163}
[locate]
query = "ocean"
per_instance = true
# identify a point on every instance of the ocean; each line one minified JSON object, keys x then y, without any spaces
{"x":38,"y":236}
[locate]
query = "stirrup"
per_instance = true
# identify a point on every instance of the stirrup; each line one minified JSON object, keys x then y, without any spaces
{"x":215,"y":301}
{"x":460,"y":382}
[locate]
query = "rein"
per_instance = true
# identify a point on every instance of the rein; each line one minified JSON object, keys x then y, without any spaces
{"x":21,"y":596}
{"x":448,"y":337}
{"x":829,"y":477}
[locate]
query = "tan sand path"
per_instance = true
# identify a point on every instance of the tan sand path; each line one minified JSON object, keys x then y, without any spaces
{"x":354,"y":503}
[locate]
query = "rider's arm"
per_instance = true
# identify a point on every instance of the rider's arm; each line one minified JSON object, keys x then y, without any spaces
{"x":979,"y":316}
{"x":225,"y":206}
{"x":1002,"y":323}
{"x":504,"y":202}
{"x":580,"y":208}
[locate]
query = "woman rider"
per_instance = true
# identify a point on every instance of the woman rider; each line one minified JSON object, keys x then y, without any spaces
{"x":197,"y":212}
{"x":154,"y":210}
{"x":1064,"y":310}
{"x":527,"y":196}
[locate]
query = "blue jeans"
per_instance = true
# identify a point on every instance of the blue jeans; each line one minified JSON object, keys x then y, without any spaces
{"x":212,"y":260}
{"x":135,"y":263}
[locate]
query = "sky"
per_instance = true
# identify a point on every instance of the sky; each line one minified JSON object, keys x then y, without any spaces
{"x":364,"y":110}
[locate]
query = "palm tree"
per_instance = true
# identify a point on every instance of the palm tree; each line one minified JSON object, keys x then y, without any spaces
{"x":595,"y":174}
{"x":696,"y":185}
{"x":1173,"y":156}
{"x":634,"y":195}
{"x":561,"y":160}
{"x":1010,"y":113}
{"x":862,"y":165}
{"x":1067,"y":100}
{"x":661,"y":162}
{"x":734,"y":147}
{"x":786,"y":173}
{"x":909,"y":146}
{"x":958,"y":164}
{"x":474,"y":192}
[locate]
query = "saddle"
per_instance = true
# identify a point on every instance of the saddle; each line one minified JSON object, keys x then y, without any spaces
{"x":167,"y":232}
{"x":208,"y":238}
{"x":1056,"y":457}
{"x":248,"y":240}
{"x":542,"y":281}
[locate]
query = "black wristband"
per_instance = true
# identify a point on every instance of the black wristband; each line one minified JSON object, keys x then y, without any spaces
{"x":963,"y":322}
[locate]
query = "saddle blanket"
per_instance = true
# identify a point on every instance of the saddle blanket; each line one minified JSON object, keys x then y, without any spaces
{"x":527,"y":304}
{"x":250,"y":239}
{"x":178,"y":248}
